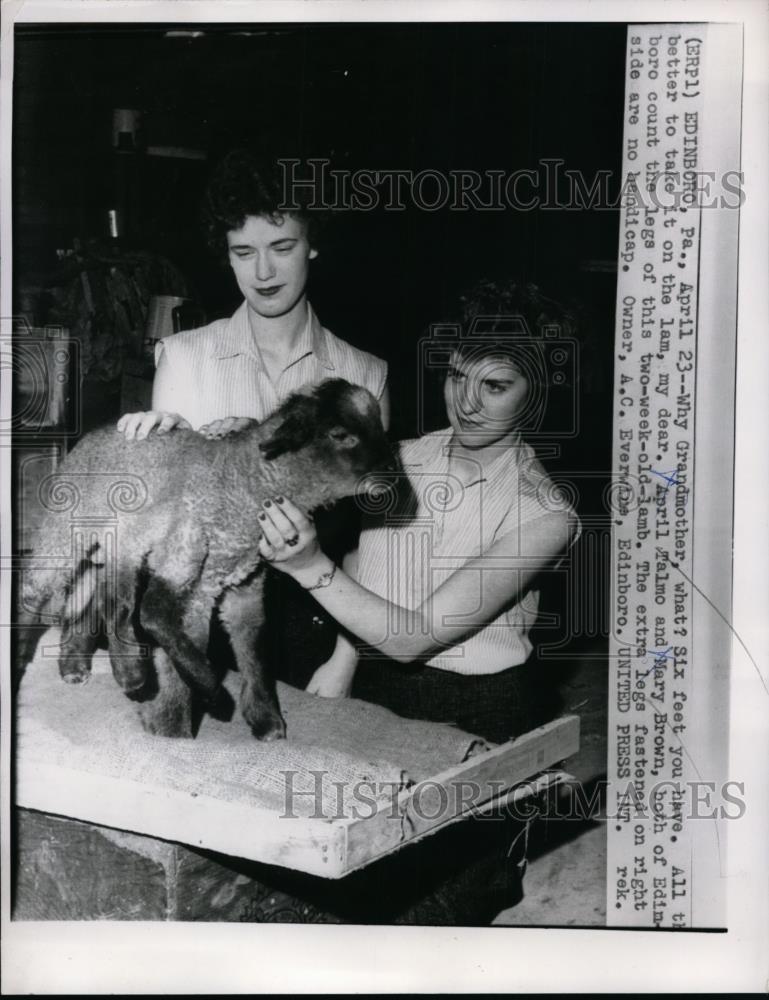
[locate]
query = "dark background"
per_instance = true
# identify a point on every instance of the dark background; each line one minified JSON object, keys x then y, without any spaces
{"x":409,"y":96}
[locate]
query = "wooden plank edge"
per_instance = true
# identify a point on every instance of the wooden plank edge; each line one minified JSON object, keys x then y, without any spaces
{"x":330,"y":848}
{"x":315,"y":846}
{"x":532,"y":786}
{"x":405,"y":818}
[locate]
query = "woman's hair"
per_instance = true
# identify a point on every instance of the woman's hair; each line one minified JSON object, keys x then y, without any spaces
{"x":509,"y":320}
{"x":494,"y":315}
{"x":244,"y":184}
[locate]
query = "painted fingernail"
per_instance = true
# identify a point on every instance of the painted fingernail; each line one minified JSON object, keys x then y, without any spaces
{"x":278,"y":499}
{"x":262,"y":517}
{"x":268,"y":503}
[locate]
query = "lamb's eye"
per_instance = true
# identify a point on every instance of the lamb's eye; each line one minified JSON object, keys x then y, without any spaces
{"x":342,"y":437}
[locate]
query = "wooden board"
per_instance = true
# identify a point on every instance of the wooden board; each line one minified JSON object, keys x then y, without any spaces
{"x":459,"y":791}
{"x":67,"y":869}
{"x":327,"y":847}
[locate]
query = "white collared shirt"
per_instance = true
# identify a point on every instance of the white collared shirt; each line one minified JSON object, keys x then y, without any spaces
{"x":452,"y":517}
{"x":217,"y":371}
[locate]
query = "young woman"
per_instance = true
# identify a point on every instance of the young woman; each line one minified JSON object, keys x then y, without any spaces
{"x":442,"y":595}
{"x":245,"y":366}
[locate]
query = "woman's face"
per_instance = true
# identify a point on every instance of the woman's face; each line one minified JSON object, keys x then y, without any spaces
{"x":484,"y":399}
{"x":271,"y":263}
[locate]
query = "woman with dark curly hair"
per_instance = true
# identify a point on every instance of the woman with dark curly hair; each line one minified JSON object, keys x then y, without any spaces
{"x":247,"y":365}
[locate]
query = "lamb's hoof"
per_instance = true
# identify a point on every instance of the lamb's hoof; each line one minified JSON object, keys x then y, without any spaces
{"x":269,"y":728}
{"x":74,"y":674}
{"x":175,"y":722}
{"x":131,"y":674}
{"x":262,"y":714}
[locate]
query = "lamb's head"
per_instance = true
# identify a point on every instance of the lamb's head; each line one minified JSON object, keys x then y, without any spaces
{"x":329,"y":441}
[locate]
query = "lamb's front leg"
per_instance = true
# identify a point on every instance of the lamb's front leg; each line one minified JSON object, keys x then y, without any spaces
{"x":242,"y":614}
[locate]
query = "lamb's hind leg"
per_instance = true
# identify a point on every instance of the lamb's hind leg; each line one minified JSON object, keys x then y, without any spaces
{"x":76,"y":652}
{"x":82,"y":622}
{"x":242,"y":614}
{"x":98,"y":605}
{"x":129,"y":652}
{"x":101,"y":602}
{"x":165,"y":704}
{"x":180,"y":623}
{"x":146,"y":674}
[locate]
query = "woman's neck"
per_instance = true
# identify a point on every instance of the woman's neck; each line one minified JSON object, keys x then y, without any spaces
{"x":279,"y":335}
{"x":485,"y":455}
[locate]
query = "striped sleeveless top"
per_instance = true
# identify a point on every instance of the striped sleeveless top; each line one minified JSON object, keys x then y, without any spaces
{"x":216,"y":371}
{"x":434,"y":529}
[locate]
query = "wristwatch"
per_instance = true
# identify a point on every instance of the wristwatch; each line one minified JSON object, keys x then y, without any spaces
{"x":324,"y":579}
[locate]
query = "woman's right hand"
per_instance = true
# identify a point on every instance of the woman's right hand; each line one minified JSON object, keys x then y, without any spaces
{"x":221,"y":428}
{"x":136,"y":426}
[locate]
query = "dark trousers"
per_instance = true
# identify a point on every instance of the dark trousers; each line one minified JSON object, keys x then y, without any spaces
{"x":471,"y":870}
{"x":497,"y":707}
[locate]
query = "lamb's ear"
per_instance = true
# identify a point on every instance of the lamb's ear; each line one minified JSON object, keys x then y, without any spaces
{"x":296,"y":429}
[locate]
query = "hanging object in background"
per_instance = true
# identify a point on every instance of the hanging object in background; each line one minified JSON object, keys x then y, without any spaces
{"x":126,"y":130}
{"x":113,"y":224}
{"x":160,"y":321}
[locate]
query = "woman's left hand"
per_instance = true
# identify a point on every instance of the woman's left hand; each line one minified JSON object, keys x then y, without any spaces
{"x":289,"y":540}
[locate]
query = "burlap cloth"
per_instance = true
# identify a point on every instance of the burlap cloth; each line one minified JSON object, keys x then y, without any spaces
{"x":336,"y":750}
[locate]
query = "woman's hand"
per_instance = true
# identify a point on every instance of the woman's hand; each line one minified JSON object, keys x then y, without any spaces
{"x":136,"y":426}
{"x":221,"y":428}
{"x":289,"y":541}
{"x":332,"y":679}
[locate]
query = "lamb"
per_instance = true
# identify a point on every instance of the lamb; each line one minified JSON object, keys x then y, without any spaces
{"x":155,"y":536}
